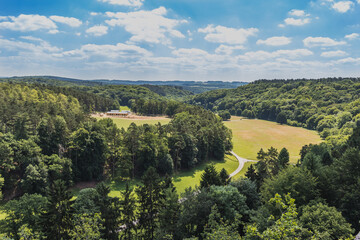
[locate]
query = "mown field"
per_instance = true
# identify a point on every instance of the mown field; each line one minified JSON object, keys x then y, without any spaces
{"x":249,"y":135}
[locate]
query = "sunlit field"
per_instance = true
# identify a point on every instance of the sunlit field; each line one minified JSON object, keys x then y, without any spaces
{"x":125,"y":122}
{"x":249,"y":135}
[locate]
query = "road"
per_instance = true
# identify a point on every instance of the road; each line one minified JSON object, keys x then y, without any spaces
{"x":242,"y":161}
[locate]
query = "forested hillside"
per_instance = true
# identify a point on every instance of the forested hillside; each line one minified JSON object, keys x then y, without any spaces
{"x":331,"y":106}
{"x":49,"y":142}
{"x":43,"y":125}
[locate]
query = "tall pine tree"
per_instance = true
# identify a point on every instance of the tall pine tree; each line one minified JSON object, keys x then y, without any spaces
{"x":57,"y":220}
{"x":149,"y":197}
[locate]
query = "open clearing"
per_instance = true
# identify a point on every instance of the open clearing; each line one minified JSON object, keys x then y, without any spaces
{"x":124,"y":122}
{"x":185,"y":179}
{"x":249,"y":135}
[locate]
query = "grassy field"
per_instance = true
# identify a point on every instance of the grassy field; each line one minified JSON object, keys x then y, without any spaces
{"x":125,"y":122}
{"x":249,"y":135}
{"x":184,"y":179}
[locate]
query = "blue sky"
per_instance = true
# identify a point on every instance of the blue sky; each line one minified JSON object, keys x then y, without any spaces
{"x":230,"y":40}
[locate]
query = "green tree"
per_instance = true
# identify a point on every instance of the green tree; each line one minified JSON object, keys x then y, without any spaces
{"x":248,"y":188}
{"x":225,"y":115}
{"x":35,"y":179}
{"x":26,"y":211}
{"x":85,"y":203}
{"x":327,"y":221}
{"x":87,"y":227}
{"x":281,"y":118}
{"x":224,"y":177}
{"x":56,"y":221}
{"x":218,"y":229}
{"x":210,"y":177}
{"x":284,"y":158}
{"x":128,"y":213}
{"x":149,"y":199}
{"x":286,"y":227}
{"x":298,"y":182}
{"x":109,"y":212}
{"x":169,"y":214}
{"x":88,"y":150}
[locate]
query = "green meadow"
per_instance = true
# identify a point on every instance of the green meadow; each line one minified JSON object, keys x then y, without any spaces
{"x":249,"y":135}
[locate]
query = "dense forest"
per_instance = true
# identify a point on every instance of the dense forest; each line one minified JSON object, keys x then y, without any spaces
{"x":49,"y":142}
{"x":330,"y":106}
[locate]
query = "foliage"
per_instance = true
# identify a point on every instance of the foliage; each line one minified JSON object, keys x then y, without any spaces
{"x":327,"y":105}
{"x":225,"y":115}
{"x":210,"y":177}
{"x":326,"y":221}
{"x":87,"y":227}
{"x":284,"y":158}
{"x":109,"y":212}
{"x":150,"y":196}
{"x":56,"y":221}
{"x":128,"y":216}
{"x":26,"y":211}
{"x":281,"y":118}
{"x":287,"y":226}
{"x":298,"y":182}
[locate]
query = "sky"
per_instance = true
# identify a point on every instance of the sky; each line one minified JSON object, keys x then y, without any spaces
{"x":228,"y":40}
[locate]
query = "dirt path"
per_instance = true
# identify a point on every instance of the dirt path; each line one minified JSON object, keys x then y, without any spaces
{"x":242,"y":162}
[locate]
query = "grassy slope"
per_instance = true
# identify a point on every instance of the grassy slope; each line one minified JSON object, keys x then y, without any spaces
{"x":251,"y":135}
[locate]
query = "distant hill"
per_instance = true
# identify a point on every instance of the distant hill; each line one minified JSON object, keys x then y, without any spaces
{"x":191,"y":86}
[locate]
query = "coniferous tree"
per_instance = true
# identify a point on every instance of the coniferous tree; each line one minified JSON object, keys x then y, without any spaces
{"x":128,"y":215}
{"x":224,"y":177}
{"x":251,"y":173}
{"x":57,"y":220}
{"x":283,"y":158}
{"x":169,"y":215}
{"x":149,"y":198}
{"x":210,"y":177}
{"x":109,"y":211}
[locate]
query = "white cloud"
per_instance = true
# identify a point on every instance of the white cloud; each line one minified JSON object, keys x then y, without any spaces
{"x":228,"y":50}
{"x":97,"y":30}
{"x":25,"y":48}
{"x":31,"y":38}
{"x":321,"y":42}
{"x":130,"y":3}
{"x":3,"y":18}
{"x":94,"y":14}
{"x":342,"y":6}
{"x":221,"y":34}
{"x":298,"y":13}
{"x":54,"y":31}
{"x":119,"y":50}
{"x":25,"y":23}
{"x":263,"y":55}
{"x":72,"y":22}
{"x":297,"y":22}
{"x":147,"y":26}
{"x":275,"y":41}
{"x":331,"y":54}
{"x":352,"y":36}
{"x":349,"y":60}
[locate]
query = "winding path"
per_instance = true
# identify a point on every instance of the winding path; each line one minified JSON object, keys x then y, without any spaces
{"x":242,"y":161}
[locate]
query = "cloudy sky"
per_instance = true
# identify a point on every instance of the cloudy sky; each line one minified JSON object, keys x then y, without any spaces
{"x":226,"y":40}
